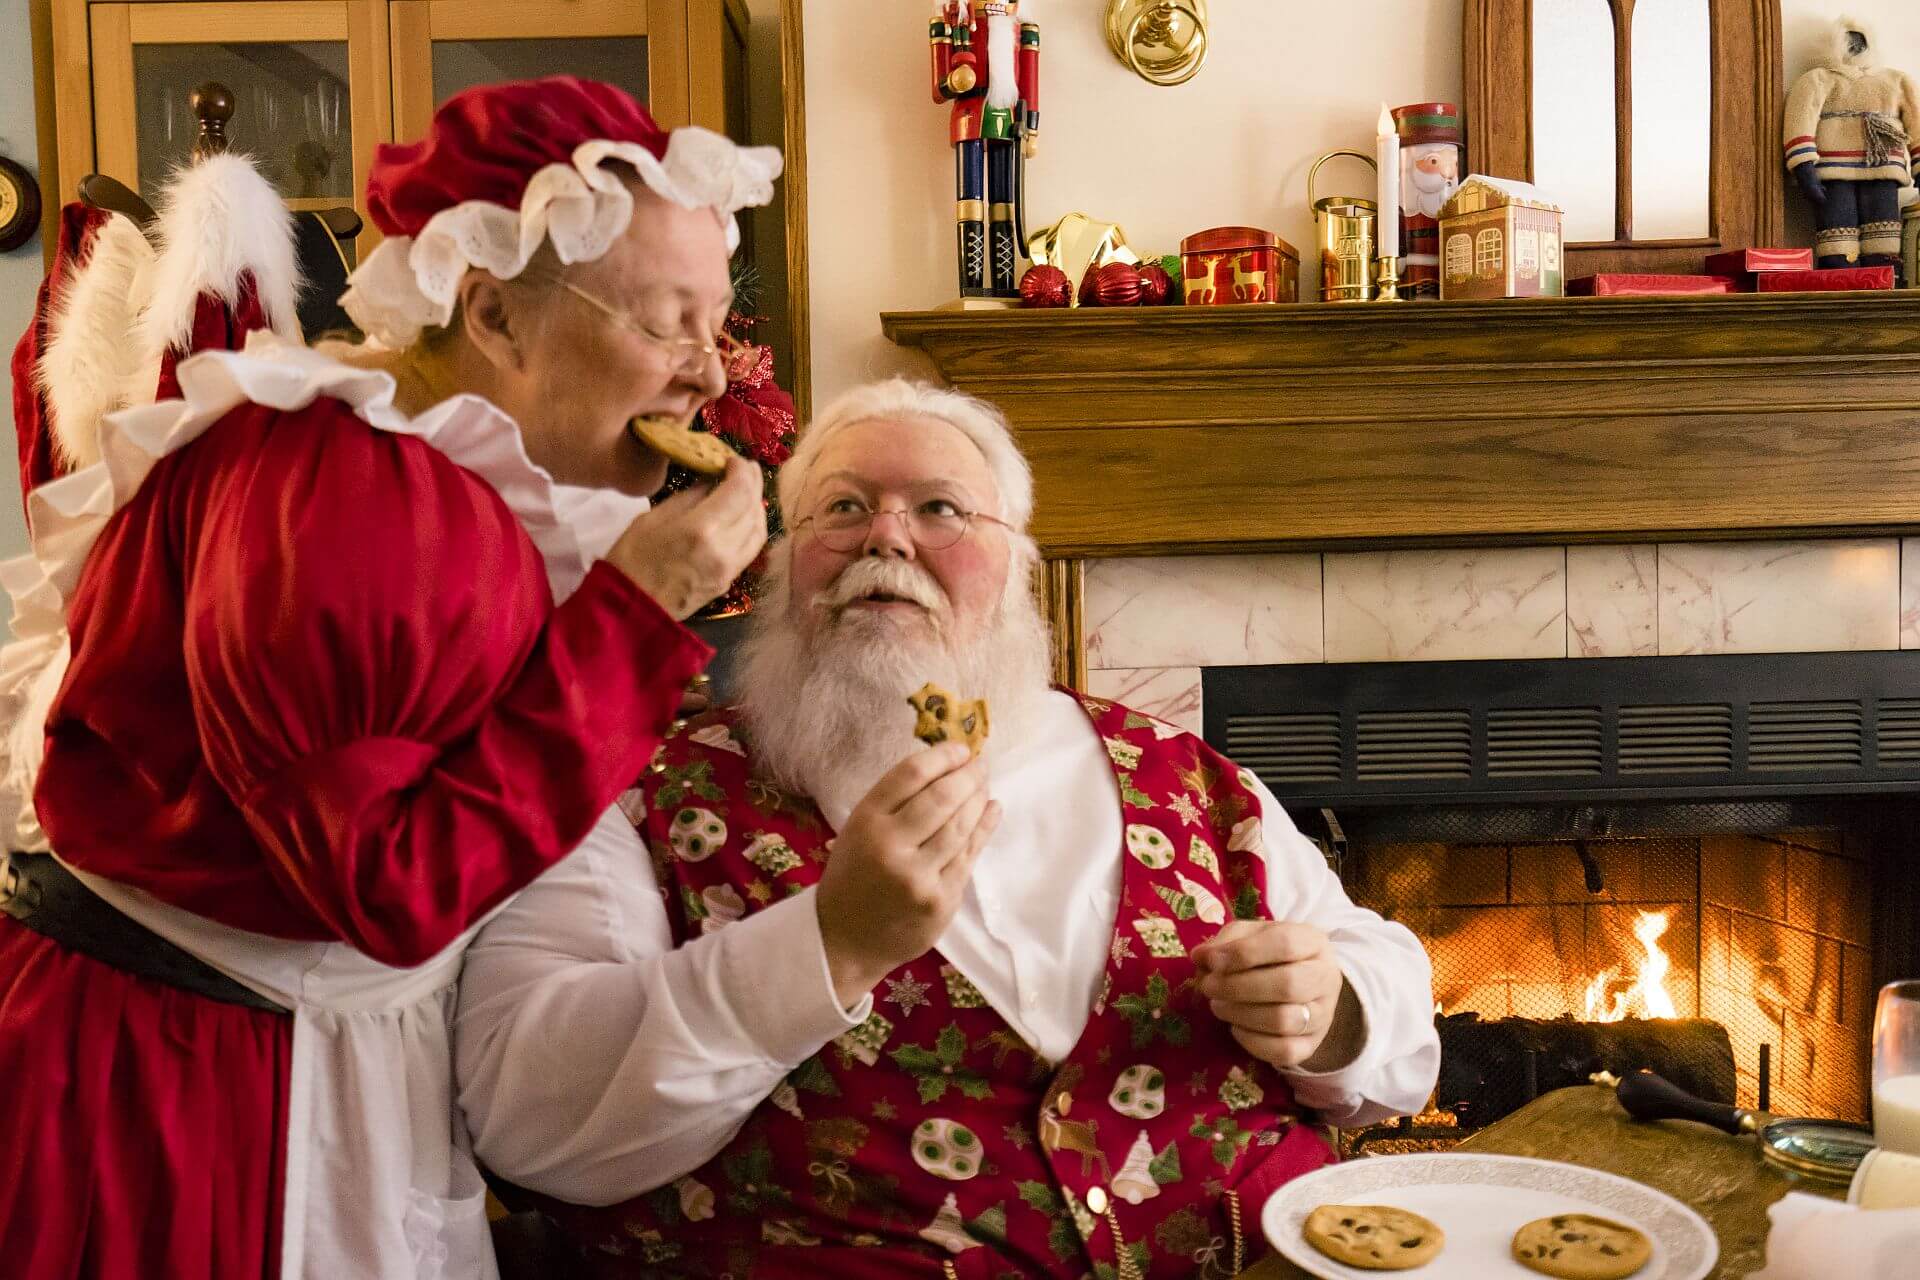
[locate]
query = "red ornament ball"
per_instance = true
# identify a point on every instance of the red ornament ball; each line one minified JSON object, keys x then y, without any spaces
{"x":1117,"y":284}
{"x":1156,"y":286}
{"x":1046,"y":287}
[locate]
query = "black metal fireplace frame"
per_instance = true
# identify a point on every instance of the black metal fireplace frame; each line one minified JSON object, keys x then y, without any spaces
{"x":1574,"y":749}
{"x":1572,"y":731}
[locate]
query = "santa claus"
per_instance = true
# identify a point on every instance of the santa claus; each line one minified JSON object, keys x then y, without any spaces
{"x":845,"y":1005}
{"x":319,"y":664}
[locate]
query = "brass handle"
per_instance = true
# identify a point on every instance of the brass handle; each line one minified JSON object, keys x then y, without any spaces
{"x":1155,"y":19}
{"x":1315,"y":171}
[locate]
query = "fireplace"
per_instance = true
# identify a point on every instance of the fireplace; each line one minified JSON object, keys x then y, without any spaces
{"x":1722,"y":844}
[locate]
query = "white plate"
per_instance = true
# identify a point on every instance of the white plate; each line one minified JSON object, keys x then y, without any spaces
{"x":1480,"y":1201}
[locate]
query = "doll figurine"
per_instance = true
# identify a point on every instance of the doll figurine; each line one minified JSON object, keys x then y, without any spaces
{"x":1851,"y":129}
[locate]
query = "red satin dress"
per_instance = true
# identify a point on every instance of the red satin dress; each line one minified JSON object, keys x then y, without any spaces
{"x":319,"y":690}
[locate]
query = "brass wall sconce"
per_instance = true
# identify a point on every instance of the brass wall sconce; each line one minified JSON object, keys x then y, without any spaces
{"x":1164,"y":43}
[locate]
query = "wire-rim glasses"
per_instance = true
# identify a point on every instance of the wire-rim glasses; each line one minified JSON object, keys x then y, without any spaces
{"x":842,"y":524}
{"x":686,"y":353}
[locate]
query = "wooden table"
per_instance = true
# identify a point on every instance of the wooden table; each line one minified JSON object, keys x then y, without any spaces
{"x":1721,"y":1178}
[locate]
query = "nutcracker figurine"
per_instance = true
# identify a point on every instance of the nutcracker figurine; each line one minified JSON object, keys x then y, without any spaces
{"x":986,"y":61}
{"x":1431,"y":145}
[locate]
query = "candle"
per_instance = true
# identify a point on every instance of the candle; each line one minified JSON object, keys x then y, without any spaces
{"x":1386,"y":151}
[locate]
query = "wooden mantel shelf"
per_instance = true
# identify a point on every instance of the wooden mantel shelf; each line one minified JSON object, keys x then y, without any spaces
{"x":1567,"y":420}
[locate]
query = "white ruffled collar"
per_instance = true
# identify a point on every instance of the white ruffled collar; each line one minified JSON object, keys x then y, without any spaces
{"x":571,"y":526}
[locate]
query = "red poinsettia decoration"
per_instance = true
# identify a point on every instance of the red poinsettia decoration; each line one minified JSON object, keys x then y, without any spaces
{"x":754,"y":415}
{"x":756,"y":418}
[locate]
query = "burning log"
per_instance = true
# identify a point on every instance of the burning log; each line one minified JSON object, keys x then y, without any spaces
{"x":1491,"y":1068}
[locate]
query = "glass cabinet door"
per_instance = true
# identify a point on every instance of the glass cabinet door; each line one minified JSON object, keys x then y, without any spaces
{"x":441,"y":47}
{"x":308,"y":84}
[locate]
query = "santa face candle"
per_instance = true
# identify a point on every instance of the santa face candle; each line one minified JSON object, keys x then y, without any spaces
{"x":1432,"y":149}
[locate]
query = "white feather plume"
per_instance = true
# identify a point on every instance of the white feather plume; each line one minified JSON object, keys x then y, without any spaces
{"x":218,"y":221}
{"x":89,"y":367}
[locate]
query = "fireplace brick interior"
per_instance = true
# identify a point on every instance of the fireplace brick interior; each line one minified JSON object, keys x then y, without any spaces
{"x":1767,"y":935}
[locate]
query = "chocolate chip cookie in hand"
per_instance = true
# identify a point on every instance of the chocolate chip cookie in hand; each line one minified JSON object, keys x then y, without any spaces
{"x":941,"y":715}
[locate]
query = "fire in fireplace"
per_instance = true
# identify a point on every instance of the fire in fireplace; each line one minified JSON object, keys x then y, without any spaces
{"x":1767,"y":937}
{"x":1701,"y":865}
{"x":1645,"y":995}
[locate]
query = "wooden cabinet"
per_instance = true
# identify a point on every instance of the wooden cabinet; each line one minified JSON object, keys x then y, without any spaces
{"x":317,"y":84}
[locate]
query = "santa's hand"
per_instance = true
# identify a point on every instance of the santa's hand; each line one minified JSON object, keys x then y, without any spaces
{"x":1030,"y":145}
{"x":1276,"y":984}
{"x":1808,"y":176}
{"x":900,"y":866}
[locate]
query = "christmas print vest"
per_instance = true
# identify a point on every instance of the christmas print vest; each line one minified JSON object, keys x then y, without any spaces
{"x":932,"y":1140}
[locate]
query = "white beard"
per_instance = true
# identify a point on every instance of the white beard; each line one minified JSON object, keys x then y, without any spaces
{"x":1003,"y":44}
{"x":1425,"y":193}
{"x":826,"y":715}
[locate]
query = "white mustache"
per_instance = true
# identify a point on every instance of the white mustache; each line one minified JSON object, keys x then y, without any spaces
{"x":895,"y":577}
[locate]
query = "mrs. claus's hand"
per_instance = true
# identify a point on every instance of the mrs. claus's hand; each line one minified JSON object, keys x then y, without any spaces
{"x":1277,"y":986}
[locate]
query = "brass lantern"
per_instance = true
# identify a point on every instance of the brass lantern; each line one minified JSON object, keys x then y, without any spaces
{"x":1163,"y":43}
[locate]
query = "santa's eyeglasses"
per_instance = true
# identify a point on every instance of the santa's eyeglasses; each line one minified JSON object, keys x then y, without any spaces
{"x":842,"y":524}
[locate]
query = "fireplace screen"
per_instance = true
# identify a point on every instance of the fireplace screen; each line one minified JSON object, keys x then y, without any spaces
{"x":1765,"y":937}
{"x":1701,"y":865}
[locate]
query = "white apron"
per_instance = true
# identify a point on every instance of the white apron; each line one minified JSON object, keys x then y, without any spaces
{"x":380,"y":1183}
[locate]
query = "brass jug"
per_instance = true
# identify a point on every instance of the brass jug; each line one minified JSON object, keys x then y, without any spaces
{"x":1345,"y":227}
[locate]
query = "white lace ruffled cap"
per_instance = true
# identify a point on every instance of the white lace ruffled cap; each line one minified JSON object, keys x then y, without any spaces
{"x":407,"y":284}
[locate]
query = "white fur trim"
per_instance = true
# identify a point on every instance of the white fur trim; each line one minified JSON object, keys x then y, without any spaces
{"x":570,"y":526}
{"x":1838,"y":53}
{"x":406,"y":284}
{"x":218,"y":220}
{"x":90,"y":367}
{"x":1003,"y":67}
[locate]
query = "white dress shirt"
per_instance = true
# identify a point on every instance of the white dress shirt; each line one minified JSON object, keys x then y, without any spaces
{"x":597,"y":1061}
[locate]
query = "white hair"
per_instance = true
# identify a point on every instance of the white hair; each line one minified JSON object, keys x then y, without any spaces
{"x":823,"y":692}
{"x":905,"y":403}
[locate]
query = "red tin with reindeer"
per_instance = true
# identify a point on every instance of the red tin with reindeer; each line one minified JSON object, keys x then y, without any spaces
{"x":1232,"y":265}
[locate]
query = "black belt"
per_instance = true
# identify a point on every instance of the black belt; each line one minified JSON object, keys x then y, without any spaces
{"x":50,"y":900}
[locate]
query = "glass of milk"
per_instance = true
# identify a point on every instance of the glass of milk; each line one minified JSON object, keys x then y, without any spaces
{"x":1896,"y":1068}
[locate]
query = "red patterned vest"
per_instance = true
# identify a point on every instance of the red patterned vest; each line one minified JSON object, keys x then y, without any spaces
{"x":932,"y":1140}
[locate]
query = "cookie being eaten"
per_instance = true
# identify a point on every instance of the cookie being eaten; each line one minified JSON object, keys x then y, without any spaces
{"x":694,"y":450}
{"x":1579,"y":1246}
{"x":942,"y":716}
{"x":1373,"y":1237}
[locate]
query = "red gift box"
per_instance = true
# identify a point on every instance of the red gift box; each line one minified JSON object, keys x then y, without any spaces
{"x":1753,"y":262}
{"x":1623,"y":284}
{"x":1836,"y":280}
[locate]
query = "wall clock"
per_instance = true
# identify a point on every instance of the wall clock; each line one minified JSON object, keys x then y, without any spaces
{"x":19,"y":205}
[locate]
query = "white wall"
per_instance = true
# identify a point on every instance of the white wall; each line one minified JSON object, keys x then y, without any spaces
{"x":1286,"y":82}
{"x":20,"y":270}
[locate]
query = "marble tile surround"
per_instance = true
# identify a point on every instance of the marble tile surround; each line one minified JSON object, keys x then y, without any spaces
{"x":1432,"y":606}
{"x":1613,"y":602}
{"x":1779,"y":597}
{"x":1172,"y":693}
{"x":1152,"y":623}
{"x":1184,"y":611}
